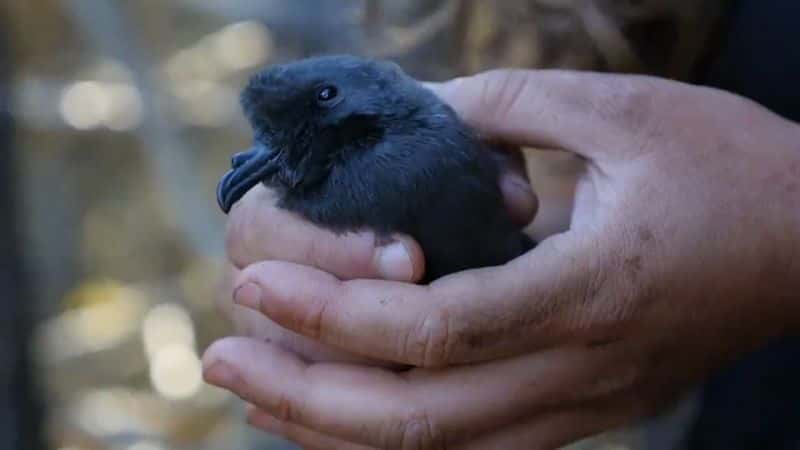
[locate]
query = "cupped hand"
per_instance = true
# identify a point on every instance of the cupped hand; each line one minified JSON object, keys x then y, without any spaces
{"x":258,"y":231}
{"x":683,"y":253}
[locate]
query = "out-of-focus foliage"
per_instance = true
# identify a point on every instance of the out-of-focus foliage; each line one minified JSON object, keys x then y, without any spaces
{"x":128,"y":114}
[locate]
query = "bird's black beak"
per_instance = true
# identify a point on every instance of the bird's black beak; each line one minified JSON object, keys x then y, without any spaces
{"x":248,"y":169}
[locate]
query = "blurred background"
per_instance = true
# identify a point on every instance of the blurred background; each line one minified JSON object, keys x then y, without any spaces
{"x":117,"y":119}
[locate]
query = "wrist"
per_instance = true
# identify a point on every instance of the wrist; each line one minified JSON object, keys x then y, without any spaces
{"x":779,"y":285}
{"x":794,"y":258}
{"x":793,"y":291}
{"x":786,"y":233}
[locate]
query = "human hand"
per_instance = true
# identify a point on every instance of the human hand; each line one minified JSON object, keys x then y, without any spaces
{"x":258,"y":231}
{"x":682,"y":254}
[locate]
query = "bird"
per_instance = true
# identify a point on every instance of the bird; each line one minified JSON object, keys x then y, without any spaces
{"x":352,"y":144}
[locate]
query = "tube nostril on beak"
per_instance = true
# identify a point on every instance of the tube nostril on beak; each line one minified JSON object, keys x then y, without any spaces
{"x":249,"y":168}
{"x":240,"y":158}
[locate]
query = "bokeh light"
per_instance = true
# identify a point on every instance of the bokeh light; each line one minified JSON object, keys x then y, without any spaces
{"x":91,"y":104}
{"x":104,"y":412}
{"x":103,"y":314}
{"x":176,"y":372}
{"x":242,"y":45}
{"x":233,"y":48}
{"x":169,"y":342}
{"x":205,"y":103}
{"x":85,"y":104}
{"x":146,"y":445}
{"x":167,"y":325}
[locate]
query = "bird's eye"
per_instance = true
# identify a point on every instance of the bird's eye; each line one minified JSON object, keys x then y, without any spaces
{"x":327,"y":94}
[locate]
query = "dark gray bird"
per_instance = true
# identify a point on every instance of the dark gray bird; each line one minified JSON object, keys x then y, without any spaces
{"x":353,"y":144}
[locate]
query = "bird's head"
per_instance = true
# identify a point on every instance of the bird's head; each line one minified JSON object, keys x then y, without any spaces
{"x":312,"y":114}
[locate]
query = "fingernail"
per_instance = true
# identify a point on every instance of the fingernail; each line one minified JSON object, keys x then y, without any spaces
{"x":221,"y":375}
{"x":394,"y":262}
{"x":248,"y":295}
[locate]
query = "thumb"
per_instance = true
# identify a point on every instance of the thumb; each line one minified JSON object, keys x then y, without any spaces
{"x":594,"y":115}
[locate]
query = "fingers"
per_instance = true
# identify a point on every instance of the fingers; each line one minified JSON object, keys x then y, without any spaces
{"x":258,"y":230}
{"x":540,"y":432}
{"x":554,"y":430}
{"x":306,"y":438}
{"x":535,"y":301}
{"x":520,"y":200}
{"x":377,"y":408}
{"x":596,"y":115}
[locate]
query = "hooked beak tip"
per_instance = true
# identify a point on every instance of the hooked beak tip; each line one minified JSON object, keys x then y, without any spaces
{"x":222,"y":193}
{"x":248,"y":169}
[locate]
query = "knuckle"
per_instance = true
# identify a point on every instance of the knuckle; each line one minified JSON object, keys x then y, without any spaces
{"x":627,"y":372}
{"x":283,"y":409}
{"x":590,"y":311}
{"x":418,"y":432}
{"x":626,"y":101}
{"x":627,"y":377}
{"x":612,"y":296}
{"x":257,"y":273}
{"x":310,"y":252}
{"x":313,"y":323}
{"x":430,"y":343}
{"x":632,"y":290}
{"x":501,"y":90}
{"x":618,"y":311}
{"x":609,"y":379}
{"x":320,"y":253}
{"x":647,"y":404}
